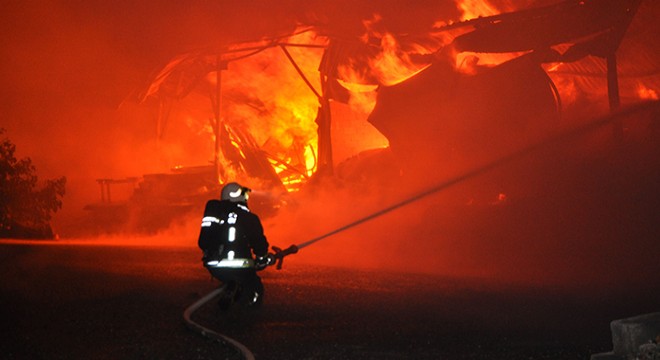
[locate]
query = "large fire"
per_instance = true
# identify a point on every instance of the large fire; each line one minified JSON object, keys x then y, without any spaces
{"x":447,"y":101}
{"x":271,"y":91}
{"x":265,"y":96}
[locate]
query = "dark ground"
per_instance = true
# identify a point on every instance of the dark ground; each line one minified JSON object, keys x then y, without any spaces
{"x":104,"y":302}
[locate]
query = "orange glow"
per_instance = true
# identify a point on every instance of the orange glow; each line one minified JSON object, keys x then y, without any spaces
{"x":62,"y":111}
{"x":472,"y":9}
{"x":645,"y":93}
{"x":363,"y":97}
{"x":264,"y":96}
{"x":468,"y":62}
{"x":569,"y":90}
{"x":392,"y":65}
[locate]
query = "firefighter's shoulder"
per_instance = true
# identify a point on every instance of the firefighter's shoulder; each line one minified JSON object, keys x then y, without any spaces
{"x":212,"y":206}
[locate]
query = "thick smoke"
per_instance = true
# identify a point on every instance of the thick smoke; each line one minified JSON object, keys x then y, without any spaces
{"x":577,"y":212}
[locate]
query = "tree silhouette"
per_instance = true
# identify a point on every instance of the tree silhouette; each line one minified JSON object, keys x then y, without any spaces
{"x":25,"y":209}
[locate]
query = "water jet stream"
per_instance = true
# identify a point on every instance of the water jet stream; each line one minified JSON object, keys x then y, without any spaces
{"x":614,"y":119}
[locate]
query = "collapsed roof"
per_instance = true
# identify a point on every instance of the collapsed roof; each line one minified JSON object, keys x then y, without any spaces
{"x":587,"y":39}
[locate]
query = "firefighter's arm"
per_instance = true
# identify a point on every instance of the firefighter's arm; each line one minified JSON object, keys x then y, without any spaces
{"x":260,"y":245}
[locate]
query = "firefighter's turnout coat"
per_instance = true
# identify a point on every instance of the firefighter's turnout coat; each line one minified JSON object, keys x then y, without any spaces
{"x":231,"y":236}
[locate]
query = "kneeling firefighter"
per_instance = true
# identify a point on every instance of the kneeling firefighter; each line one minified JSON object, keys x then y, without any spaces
{"x":234,"y":245}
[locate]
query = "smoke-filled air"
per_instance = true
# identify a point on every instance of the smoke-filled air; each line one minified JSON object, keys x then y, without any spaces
{"x":514,"y":140}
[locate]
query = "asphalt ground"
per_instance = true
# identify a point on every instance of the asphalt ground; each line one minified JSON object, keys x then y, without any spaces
{"x":126,"y":302}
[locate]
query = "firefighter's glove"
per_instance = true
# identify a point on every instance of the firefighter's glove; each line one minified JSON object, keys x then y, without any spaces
{"x":263,"y":261}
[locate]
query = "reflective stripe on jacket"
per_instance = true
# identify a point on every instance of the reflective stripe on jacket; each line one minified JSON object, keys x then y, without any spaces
{"x":233,"y":263}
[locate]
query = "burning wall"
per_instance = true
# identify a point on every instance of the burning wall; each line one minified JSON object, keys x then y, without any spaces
{"x":461,"y":100}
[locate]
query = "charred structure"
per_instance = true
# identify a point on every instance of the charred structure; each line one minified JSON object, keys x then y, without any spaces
{"x":459,"y":94}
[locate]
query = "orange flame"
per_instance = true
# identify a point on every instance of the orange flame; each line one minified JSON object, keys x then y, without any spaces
{"x":476,"y":8}
{"x":390,"y":65}
{"x":469,"y":62}
{"x":264,"y":95}
{"x":645,"y":93}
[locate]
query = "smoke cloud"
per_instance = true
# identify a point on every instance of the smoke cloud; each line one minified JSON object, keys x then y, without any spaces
{"x":576,"y":213}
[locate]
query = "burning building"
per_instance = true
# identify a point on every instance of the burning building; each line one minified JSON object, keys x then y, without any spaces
{"x":376,"y":100}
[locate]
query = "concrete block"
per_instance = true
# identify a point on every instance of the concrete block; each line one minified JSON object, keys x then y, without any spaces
{"x":631,"y":333}
{"x":606,"y":356}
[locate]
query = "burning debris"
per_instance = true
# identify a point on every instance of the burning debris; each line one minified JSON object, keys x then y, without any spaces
{"x":482,"y":80}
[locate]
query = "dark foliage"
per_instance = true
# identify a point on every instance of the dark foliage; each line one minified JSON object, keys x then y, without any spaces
{"x":25,"y":208}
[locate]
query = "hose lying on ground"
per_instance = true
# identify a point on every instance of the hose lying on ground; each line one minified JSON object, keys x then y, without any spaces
{"x":247,"y":354}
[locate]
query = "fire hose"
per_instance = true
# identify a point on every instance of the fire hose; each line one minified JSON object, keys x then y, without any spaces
{"x":277,"y":258}
{"x":204,"y":331}
{"x":279,"y":254}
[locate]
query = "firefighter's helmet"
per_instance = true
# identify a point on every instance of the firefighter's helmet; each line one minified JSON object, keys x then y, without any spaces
{"x":234,"y":192}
